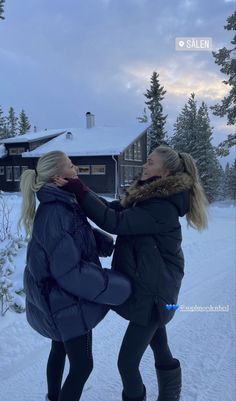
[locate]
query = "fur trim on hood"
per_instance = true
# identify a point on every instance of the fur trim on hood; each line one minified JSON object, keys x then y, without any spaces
{"x":159,"y":188}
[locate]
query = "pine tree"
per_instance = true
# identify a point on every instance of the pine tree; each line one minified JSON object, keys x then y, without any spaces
{"x":144,"y":117}
{"x":11,"y":123}
{"x":186,"y":128}
{"x":23,"y":123}
{"x":193,"y":134}
{"x":2,"y":123}
{"x":221,"y":187}
{"x":226,"y":185}
{"x":2,"y":9}
{"x":229,"y":185}
{"x":155,"y":95}
{"x":208,"y":165}
{"x":232,"y":180}
{"x":227,"y":60}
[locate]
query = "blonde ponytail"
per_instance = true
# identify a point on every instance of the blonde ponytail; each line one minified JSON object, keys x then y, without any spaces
{"x":29,"y":201}
{"x":177,"y":162}
{"x":31,"y":181}
{"x":197,"y":216}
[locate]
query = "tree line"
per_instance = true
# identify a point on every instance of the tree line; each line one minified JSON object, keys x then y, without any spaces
{"x":2,"y":9}
{"x":192,"y":132}
{"x":11,"y":125}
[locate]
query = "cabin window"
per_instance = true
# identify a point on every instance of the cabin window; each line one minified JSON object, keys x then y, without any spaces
{"x":128,"y":174}
{"x":2,"y":170}
{"x":9,"y":173}
{"x":129,"y":153}
{"x":17,"y":173}
{"x":137,"y":151}
{"x":83,"y":170}
{"x":16,"y":151}
{"x":99,"y":169}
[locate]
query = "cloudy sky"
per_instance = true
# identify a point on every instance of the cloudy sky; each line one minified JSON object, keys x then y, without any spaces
{"x":62,"y":58}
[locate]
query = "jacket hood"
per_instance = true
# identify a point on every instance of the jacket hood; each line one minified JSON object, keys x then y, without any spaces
{"x":175,"y":188}
{"x":51,"y":193}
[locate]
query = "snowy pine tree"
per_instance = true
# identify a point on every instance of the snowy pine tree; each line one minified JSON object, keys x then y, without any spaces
{"x":11,"y":123}
{"x":185,"y":128}
{"x":155,"y":95}
{"x":2,"y":124}
{"x":226,"y":58}
{"x":2,"y":9}
{"x":221,"y":186}
{"x":23,"y":123}
{"x":226,"y":185}
{"x":232,"y":181}
{"x":193,"y":134}
{"x":208,"y":165}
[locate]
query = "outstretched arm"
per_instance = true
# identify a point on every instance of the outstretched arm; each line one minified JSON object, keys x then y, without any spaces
{"x":142,"y":219}
{"x":131,"y":221}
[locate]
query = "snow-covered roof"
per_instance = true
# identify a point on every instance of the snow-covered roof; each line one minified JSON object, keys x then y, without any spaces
{"x":91,"y":141}
{"x":33,"y":136}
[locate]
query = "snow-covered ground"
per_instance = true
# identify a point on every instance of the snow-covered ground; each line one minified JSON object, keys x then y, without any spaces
{"x":203,"y":341}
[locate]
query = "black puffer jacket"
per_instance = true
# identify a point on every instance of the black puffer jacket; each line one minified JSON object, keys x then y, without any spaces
{"x":148,"y":246}
{"x":67,"y":291}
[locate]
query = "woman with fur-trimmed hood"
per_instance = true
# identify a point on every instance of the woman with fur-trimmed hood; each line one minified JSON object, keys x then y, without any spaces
{"x":148,"y":250}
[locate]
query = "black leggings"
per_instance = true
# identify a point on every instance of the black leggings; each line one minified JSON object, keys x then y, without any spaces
{"x":79,"y":353}
{"x":136,"y":340}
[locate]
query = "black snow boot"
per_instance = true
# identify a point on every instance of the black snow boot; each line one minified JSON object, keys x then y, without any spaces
{"x":142,"y":398}
{"x":169,"y":381}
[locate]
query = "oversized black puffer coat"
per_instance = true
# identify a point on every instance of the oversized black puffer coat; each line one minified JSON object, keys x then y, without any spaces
{"x":148,"y":246}
{"x":67,"y":291}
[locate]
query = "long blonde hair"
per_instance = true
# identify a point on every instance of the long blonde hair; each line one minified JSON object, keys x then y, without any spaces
{"x":177,"y":162}
{"x":31,"y":181}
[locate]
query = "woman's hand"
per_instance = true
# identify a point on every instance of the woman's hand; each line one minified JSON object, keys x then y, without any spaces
{"x":60,"y":182}
{"x":74,"y":185}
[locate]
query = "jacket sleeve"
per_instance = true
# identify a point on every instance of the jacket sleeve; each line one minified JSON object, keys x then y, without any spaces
{"x":137,"y":220}
{"x":86,"y":279}
{"x":116,"y":205}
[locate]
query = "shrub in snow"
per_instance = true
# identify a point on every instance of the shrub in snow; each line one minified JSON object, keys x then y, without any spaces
{"x":4,"y":218}
{"x":17,"y":303}
{"x":21,"y":243}
{"x":12,"y":250}
{"x":7,"y":267}
{"x":6,"y":294}
{"x":10,"y":297}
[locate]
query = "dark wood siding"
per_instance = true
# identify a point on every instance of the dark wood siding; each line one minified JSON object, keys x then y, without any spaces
{"x":13,"y":186}
{"x":99,"y":183}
